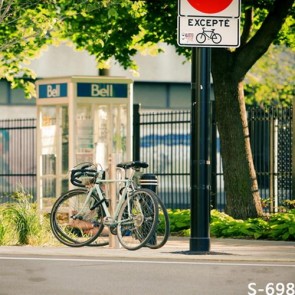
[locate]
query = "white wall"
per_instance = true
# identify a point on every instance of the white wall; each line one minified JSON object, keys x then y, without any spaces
{"x":65,"y":61}
{"x":17,"y":112}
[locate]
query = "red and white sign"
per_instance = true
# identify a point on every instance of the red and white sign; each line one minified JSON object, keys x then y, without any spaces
{"x":213,"y":8}
{"x":209,"y":23}
{"x":208,"y":32}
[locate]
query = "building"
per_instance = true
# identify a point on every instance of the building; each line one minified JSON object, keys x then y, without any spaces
{"x":163,"y":81}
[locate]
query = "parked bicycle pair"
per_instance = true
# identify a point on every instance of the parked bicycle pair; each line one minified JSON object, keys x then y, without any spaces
{"x":81,"y":217}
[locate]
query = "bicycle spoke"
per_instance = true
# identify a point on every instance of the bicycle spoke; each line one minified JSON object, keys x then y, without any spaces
{"x":142,"y":208}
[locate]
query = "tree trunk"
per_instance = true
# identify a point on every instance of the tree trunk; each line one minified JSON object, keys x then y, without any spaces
{"x":241,"y":187}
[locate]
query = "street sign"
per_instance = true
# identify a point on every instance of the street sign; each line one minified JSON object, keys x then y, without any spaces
{"x":212,"y":8}
{"x":208,"y":32}
{"x":209,"y":23}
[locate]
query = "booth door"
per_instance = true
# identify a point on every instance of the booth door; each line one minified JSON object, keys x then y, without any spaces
{"x":54,"y":146}
{"x":101,"y":131}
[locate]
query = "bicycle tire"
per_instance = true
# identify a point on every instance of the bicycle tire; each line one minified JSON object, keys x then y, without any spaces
{"x":71,"y":232}
{"x":201,"y":38}
{"x":133,"y":234}
{"x":162,"y":232}
{"x":216,"y":38}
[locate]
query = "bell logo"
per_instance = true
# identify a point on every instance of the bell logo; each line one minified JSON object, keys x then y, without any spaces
{"x":98,"y":91}
{"x":53,"y":91}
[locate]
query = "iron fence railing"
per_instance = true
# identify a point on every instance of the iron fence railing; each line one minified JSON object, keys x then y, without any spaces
{"x":17,"y":157}
{"x":163,"y":140}
{"x":165,"y":145}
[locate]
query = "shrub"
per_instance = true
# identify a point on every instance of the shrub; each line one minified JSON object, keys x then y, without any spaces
{"x":279,"y":226}
{"x":21,"y":224}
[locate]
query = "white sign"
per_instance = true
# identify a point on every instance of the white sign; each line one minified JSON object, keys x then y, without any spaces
{"x":211,"y":8}
{"x":208,"y":31}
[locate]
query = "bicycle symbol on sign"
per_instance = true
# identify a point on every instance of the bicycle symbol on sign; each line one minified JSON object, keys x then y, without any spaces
{"x":209,"y":34}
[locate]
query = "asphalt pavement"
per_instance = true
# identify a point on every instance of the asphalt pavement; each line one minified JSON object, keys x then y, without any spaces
{"x":230,"y":250}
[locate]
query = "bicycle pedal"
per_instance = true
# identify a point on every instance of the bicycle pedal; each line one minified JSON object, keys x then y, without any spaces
{"x":95,"y":224}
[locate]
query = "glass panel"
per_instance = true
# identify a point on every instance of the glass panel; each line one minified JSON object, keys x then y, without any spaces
{"x":65,"y":140}
{"x":64,"y":185}
{"x":48,"y":140}
{"x":101,"y":134}
{"x":119,"y":135}
{"x":84,"y":135}
{"x":110,"y":133}
{"x":49,"y":188}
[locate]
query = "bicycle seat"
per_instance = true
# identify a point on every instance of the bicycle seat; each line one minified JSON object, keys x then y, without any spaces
{"x":132,"y":164}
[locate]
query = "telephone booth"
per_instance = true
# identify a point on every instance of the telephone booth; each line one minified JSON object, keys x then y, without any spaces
{"x":80,"y":119}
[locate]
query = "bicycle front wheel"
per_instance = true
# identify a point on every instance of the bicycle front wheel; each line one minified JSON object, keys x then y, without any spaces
{"x":75,"y":220}
{"x":161,"y":235}
{"x":137,"y":219}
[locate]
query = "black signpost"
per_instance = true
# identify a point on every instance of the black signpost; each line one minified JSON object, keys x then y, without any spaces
{"x":201,"y":25}
{"x":200,"y":150}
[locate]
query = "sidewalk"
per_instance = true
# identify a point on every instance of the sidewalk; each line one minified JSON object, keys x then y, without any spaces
{"x":226,"y":250}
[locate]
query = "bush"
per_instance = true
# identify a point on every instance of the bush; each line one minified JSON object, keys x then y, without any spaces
{"x":20,"y":223}
{"x":279,"y":226}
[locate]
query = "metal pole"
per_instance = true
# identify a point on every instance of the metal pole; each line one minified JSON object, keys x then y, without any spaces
{"x":136,"y":132}
{"x":200,"y":151}
{"x":213,"y":191}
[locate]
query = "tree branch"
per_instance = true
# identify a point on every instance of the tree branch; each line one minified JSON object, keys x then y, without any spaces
{"x":247,"y":55}
{"x":247,"y":26}
{"x":7,"y":8}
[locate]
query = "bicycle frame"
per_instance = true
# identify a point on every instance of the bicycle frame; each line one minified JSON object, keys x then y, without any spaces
{"x":109,"y":219}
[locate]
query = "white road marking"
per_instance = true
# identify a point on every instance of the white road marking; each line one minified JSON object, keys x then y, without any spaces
{"x":146,"y":261}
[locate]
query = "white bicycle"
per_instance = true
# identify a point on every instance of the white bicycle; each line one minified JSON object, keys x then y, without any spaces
{"x":79,"y":216}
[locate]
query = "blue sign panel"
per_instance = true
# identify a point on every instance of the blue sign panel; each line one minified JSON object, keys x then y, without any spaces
{"x":53,"y":90}
{"x":102,"y":90}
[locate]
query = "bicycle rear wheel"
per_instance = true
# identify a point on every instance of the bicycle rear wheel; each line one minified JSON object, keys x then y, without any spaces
{"x":162,"y":231}
{"x":85,"y":228}
{"x":137,"y":219}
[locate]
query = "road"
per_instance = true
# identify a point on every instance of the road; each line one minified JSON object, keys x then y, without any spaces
{"x":64,"y":275}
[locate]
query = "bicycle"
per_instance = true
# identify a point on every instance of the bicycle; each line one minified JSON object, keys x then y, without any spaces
{"x":210,"y":34}
{"x":162,"y":232}
{"x":79,"y":216}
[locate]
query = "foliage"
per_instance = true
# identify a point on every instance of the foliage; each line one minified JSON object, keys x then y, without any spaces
{"x":120,"y":28}
{"x":270,"y":81}
{"x":282,"y":226}
{"x":179,"y":219}
{"x":279,"y":226}
{"x":20,"y":223}
{"x":106,"y":29}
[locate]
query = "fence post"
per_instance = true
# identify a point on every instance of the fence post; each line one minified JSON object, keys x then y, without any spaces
{"x":213,"y":194}
{"x":136,"y":132}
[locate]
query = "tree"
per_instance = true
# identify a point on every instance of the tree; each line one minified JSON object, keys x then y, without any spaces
{"x":24,"y":26}
{"x":229,"y":69}
{"x":113,"y":28}
{"x":270,"y":81}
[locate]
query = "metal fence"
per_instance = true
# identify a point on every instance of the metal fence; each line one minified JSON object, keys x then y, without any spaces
{"x":17,"y":157}
{"x":165,"y":145}
{"x":163,"y":140}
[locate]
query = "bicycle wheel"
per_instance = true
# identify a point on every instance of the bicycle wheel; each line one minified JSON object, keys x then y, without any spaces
{"x":201,"y":38}
{"x":162,"y":232}
{"x":85,"y":228}
{"x":137,"y":219}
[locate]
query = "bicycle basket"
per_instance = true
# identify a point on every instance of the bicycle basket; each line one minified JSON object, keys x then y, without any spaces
{"x":84,"y":174}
